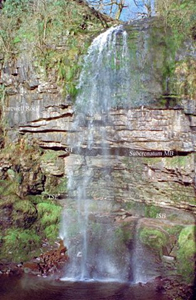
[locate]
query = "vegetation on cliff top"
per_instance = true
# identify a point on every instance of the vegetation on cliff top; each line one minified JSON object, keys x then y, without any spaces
{"x":52,"y":34}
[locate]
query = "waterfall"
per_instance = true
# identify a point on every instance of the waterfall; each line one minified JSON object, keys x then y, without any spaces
{"x":93,"y":241}
{"x":105,"y":76}
{"x":143,"y":262}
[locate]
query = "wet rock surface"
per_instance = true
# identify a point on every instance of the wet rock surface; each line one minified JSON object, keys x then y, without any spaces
{"x":165,"y":182}
{"x":48,"y":263}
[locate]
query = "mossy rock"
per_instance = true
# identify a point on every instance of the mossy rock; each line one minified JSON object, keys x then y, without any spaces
{"x":35,"y":199}
{"x":186,"y":253}
{"x":49,"y":213}
{"x":124,"y":234}
{"x":179,"y":161}
{"x":55,"y":186}
{"x":62,"y":185}
{"x":52,"y":164}
{"x":8,"y":187}
{"x":154,"y":239}
{"x":18,"y":243}
{"x":52,"y":232}
{"x":24,"y":214}
{"x":24,"y":206}
{"x":14,"y":176}
{"x":8,"y":201}
{"x":152,"y":211}
{"x":174,"y":230}
{"x":49,"y":155}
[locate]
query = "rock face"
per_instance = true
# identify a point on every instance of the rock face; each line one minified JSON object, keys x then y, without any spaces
{"x":149,"y":130}
{"x":35,"y":107}
{"x":156,"y":181}
{"x":151,"y":148}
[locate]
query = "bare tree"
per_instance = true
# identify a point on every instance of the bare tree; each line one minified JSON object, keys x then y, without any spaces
{"x":112,"y":7}
{"x":144,"y":4}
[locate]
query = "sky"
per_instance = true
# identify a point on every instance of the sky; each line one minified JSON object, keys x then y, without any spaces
{"x":131,"y":11}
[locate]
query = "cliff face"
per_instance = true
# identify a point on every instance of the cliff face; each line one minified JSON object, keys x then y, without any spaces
{"x":35,"y":107}
{"x":40,"y":61}
{"x":155,"y":142}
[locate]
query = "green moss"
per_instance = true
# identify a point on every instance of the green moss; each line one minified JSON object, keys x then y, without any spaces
{"x":24,"y":206}
{"x":51,"y":232}
{"x":151,"y":211}
{"x":14,"y":176}
{"x":178,"y":29}
{"x":153,"y":238}
{"x":49,"y":155}
{"x":32,"y":218}
{"x":178,"y":161}
{"x":175,"y":230}
{"x":183,"y":196}
{"x":152,"y":160}
{"x":17,"y":243}
{"x":55,"y":186}
{"x":49,"y":213}
{"x":123,"y":235}
{"x":8,"y":187}
{"x":35,"y":199}
{"x":62,"y":185}
{"x":186,"y":253}
{"x":23,"y":214}
{"x":8,"y":201}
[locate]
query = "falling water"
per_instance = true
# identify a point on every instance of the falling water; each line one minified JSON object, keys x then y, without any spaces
{"x":94,"y":243}
{"x":143,"y":262}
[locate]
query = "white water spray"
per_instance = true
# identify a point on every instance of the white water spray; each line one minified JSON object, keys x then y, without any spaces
{"x":88,"y":231}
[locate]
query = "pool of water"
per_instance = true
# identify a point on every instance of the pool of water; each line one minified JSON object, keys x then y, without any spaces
{"x":35,"y":288}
